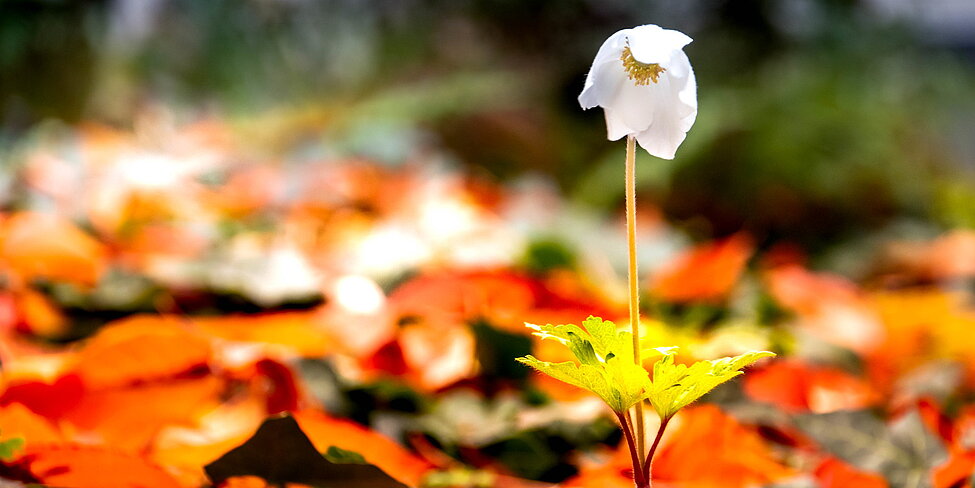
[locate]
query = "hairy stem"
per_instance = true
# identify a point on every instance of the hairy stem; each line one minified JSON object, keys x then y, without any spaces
{"x":653,"y":449}
{"x":638,"y":477}
{"x":632,"y":276}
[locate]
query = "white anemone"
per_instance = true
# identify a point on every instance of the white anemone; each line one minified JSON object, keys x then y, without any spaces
{"x":644,"y":82}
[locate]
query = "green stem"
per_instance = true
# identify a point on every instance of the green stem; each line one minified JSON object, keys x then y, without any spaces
{"x":653,"y":449}
{"x":632,"y":277}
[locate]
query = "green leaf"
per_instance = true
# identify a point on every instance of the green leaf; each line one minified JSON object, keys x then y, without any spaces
{"x":605,"y":365}
{"x":9,"y":448}
{"x":599,"y":335}
{"x":337,"y":455}
{"x":674,"y":386}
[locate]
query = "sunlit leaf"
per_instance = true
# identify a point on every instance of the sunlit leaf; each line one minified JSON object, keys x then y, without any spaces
{"x":605,"y":365}
{"x":676,"y":385}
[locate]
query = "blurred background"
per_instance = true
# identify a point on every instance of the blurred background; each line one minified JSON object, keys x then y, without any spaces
{"x":216,"y":211}
{"x":820,"y":120}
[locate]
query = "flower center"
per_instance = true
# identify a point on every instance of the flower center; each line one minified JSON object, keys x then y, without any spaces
{"x":642,"y":74}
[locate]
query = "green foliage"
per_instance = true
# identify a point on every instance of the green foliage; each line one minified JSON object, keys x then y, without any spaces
{"x":548,"y":254}
{"x":606,"y":368}
{"x":337,"y":455}
{"x":496,"y":349}
{"x":605,"y":357}
{"x":676,"y":385}
{"x":9,"y":448}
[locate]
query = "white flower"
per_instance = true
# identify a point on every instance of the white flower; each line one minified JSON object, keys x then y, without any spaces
{"x":644,"y":82}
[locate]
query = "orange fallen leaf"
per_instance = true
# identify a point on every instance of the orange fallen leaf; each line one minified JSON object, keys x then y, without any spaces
{"x":705,"y":273}
{"x":947,"y":258}
{"x":9,"y":315}
{"x":161,"y":242}
{"x":184,"y":450}
{"x":799,"y":387}
{"x":296,"y":332}
{"x":248,"y":190}
{"x":437,"y":357}
{"x":961,"y":455}
{"x":16,"y":420}
{"x":706,"y":448}
{"x":922,"y":325}
{"x":451,"y":298}
{"x":51,"y":400}
{"x":833,"y":473}
{"x":38,"y":315}
{"x":806,"y":292}
{"x":129,"y":418}
{"x":396,"y":461}
{"x":254,"y":482}
{"x":603,"y":478}
{"x":828,"y":306}
{"x":140,"y":349}
{"x":80,"y":466}
{"x":35,"y":245}
{"x":270,"y":380}
{"x":710,"y":449}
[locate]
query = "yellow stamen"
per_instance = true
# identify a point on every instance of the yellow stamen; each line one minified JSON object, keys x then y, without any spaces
{"x":641,"y":73}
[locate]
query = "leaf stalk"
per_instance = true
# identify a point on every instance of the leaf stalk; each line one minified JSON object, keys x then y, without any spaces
{"x":656,"y":441}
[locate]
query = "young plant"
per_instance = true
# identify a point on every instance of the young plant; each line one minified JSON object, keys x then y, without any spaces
{"x":645,"y":84}
{"x":604,"y":365}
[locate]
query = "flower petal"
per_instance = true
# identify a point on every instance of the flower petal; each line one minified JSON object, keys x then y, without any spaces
{"x":603,"y":84}
{"x":651,"y":44}
{"x":635,"y":106}
{"x":675,"y":104}
{"x":606,"y":72}
{"x":615,"y":127}
{"x":658,"y":114}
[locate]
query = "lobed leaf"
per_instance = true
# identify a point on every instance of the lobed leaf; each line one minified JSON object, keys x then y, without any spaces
{"x":675,"y":386}
{"x":605,"y":365}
